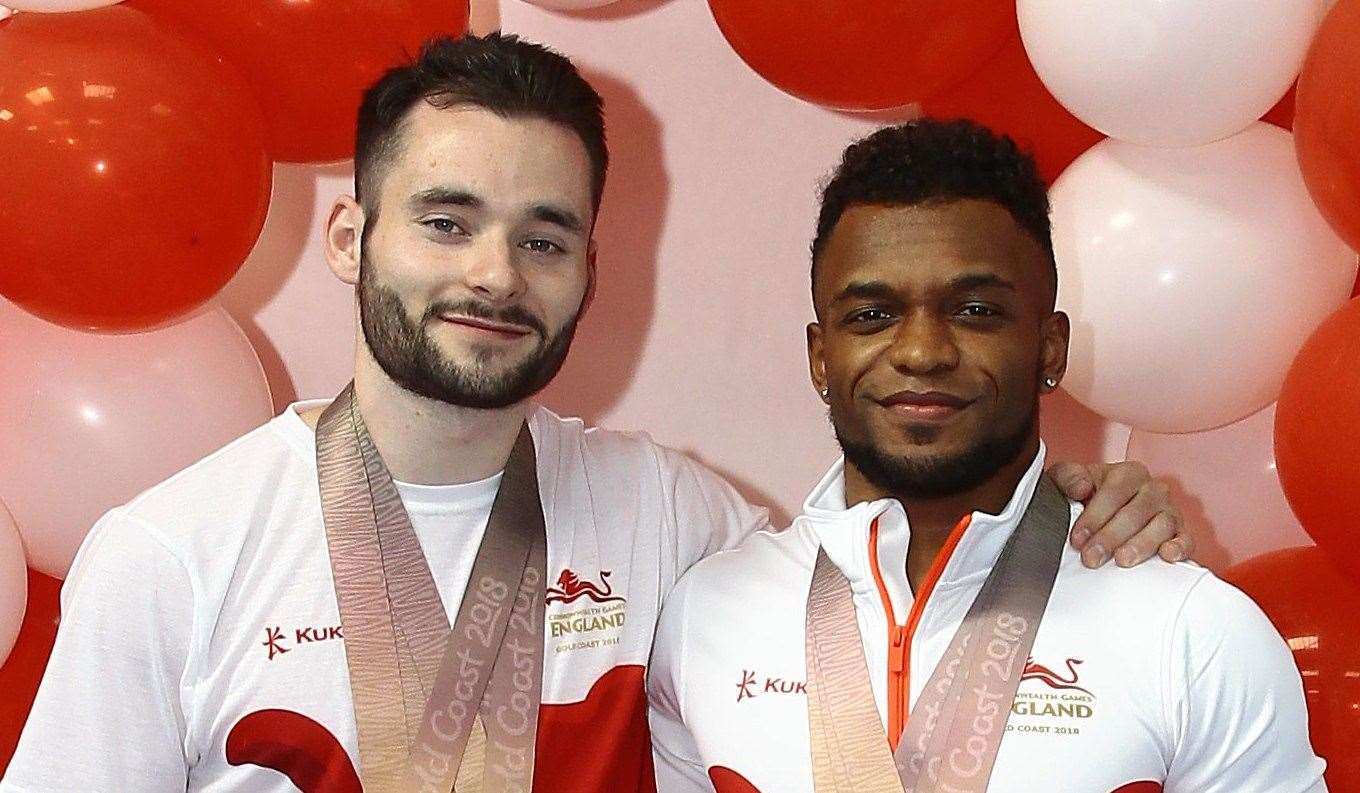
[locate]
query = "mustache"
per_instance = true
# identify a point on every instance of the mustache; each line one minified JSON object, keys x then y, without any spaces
{"x":516,"y":315}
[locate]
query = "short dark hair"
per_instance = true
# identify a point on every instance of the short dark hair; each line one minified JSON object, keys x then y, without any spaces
{"x":498,"y":72}
{"x":928,"y":160}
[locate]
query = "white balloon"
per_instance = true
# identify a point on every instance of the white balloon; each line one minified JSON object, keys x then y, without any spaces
{"x":1168,"y":72}
{"x":1192,"y":277}
{"x":13,"y":582}
{"x":57,"y":6}
{"x":569,"y":5}
{"x":1226,"y":485}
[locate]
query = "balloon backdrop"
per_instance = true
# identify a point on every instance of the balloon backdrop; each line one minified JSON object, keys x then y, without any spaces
{"x":22,"y":671}
{"x":92,"y":420}
{"x":1192,"y":276}
{"x":1227,"y":488}
{"x":863,"y":54}
{"x":1007,"y":96}
{"x":57,"y":6}
{"x":570,"y":5}
{"x":1169,"y":73}
{"x":310,"y":63}
{"x":1327,"y":120}
{"x":13,"y":582}
{"x":1317,"y":437}
{"x":1282,"y":114}
{"x":135,"y":178}
{"x":1318,"y":612}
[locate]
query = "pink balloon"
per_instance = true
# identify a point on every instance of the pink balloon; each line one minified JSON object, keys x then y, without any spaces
{"x":1073,"y":431}
{"x":570,"y":5}
{"x":1227,"y":487}
{"x":13,"y":583}
{"x":91,"y":420}
{"x":1192,"y":277}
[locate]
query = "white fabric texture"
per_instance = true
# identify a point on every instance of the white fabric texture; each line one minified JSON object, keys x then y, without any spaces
{"x":203,"y":614}
{"x":1156,"y":677}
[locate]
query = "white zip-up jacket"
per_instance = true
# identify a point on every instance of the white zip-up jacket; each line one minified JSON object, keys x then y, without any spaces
{"x":1159,"y":677}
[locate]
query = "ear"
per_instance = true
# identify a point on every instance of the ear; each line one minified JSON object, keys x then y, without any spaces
{"x":591,"y":250}
{"x":344,"y":239}
{"x":816,"y":358}
{"x":1056,"y":332}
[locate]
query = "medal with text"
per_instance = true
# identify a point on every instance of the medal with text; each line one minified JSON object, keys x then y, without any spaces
{"x":434,"y":703}
{"x":954,"y":732}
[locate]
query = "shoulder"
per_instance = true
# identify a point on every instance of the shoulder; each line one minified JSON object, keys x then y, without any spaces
{"x":555,"y":433}
{"x":1155,"y":587}
{"x":1216,"y":615}
{"x":768,"y":566}
{"x":231,"y":490}
{"x":626,"y":458}
{"x":732,"y":592}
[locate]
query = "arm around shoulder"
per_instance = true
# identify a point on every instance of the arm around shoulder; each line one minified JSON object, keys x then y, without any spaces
{"x":109,"y":714}
{"x":1237,"y":707}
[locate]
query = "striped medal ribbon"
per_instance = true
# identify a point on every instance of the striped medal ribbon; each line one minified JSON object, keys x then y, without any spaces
{"x":435,"y":705}
{"x":954,"y":732}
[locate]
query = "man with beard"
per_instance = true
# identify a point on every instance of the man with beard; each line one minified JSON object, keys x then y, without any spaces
{"x":277,"y":615}
{"x":928,"y":574}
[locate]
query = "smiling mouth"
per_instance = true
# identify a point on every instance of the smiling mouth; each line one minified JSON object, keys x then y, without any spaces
{"x":487,"y":327}
{"x":930,"y":407}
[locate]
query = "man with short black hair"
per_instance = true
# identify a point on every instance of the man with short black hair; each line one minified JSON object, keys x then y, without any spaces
{"x":428,"y":578}
{"x":928,"y":575}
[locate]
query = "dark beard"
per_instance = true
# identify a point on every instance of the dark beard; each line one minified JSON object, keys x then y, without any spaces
{"x":938,"y":476}
{"x":410,"y":357}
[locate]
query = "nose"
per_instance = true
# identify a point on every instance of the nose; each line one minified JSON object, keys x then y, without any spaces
{"x":924,"y":344}
{"x":492,"y":272}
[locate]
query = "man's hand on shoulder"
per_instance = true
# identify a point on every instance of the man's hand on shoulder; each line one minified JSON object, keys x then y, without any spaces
{"x":1128,"y":515}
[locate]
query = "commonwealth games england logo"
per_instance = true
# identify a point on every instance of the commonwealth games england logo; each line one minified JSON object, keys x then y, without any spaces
{"x":570,"y":587}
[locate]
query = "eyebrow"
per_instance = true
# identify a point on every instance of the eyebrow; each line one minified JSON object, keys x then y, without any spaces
{"x":969,"y":281}
{"x":558,"y":216}
{"x":878,"y":290}
{"x":864,"y":290}
{"x":452,"y":196}
{"x":446,"y":196}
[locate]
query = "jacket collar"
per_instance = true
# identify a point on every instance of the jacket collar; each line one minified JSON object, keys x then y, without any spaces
{"x":844,"y":533}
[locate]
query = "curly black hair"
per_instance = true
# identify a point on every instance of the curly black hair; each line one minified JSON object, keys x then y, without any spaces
{"x":928,"y":160}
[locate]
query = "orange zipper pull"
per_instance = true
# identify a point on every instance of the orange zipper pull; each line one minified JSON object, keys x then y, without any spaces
{"x":896,"y":654}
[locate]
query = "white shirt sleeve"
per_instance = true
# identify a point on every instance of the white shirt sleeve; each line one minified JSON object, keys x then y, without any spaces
{"x":108,"y":714}
{"x":674,"y":753}
{"x":710,"y":515}
{"x":1239,"y":718}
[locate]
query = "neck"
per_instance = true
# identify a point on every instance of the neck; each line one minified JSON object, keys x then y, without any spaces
{"x":427,"y":442}
{"x":933,"y":519}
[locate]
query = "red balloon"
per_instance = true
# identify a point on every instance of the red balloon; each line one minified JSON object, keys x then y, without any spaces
{"x":864,"y":54}
{"x":1327,"y":120}
{"x":135,"y":178}
{"x":1282,"y":114}
{"x":1317,"y":437}
{"x":1007,"y":95}
{"x":21,"y":673}
{"x":310,"y":63}
{"x":1318,"y":612}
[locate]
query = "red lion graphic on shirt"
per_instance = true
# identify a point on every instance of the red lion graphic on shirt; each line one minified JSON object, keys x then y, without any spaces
{"x":1052,"y":679}
{"x":570,"y":588}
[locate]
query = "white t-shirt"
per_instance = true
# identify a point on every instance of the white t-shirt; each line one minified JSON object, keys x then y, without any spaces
{"x":449,"y":521}
{"x":200,"y":646}
{"x":1157,"y":677}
